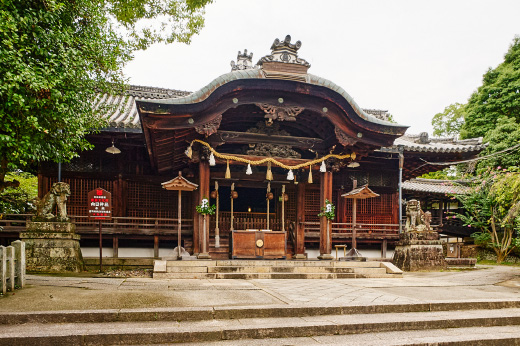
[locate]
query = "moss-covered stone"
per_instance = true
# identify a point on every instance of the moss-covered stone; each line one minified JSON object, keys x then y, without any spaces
{"x":417,"y":251}
{"x":52,"y":247}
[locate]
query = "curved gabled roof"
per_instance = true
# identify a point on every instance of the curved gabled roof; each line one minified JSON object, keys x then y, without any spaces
{"x":205,"y":92}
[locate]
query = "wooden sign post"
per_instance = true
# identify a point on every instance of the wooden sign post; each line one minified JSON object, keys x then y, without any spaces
{"x":100,"y":208}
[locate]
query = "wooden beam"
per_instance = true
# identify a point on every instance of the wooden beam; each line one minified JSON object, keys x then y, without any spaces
{"x":222,"y":137}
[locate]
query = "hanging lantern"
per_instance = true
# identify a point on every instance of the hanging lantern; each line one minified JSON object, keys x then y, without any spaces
{"x":212,"y":160}
{"x":290,"y":175}
{"x":310,"y":175}
{"x":189,"y":152}
{"x":323,"y":168}
{"x":234,"y":194}
{"x":269,"y":196}
{"x":269,"y":174}
{"x":228,"y":172}
{"x":213,"y":194}
{"x":285,"y":197}
{"x":249,"y":171}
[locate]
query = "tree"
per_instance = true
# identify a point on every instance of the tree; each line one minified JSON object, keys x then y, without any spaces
{"x":504,"y":135}
{"x":498,"y":96}
{"x":449,"y":122}
{"x":19,"y":200}
{"x":57,"y":55}
{"x":493,"y":210}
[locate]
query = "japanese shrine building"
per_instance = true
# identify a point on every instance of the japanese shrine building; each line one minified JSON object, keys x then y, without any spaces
{"x":261,"y":124}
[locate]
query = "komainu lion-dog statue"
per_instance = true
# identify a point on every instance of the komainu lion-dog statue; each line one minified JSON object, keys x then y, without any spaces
{"x":57,"y":196}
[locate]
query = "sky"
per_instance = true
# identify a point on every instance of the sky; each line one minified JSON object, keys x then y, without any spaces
{"x":412,"y":58}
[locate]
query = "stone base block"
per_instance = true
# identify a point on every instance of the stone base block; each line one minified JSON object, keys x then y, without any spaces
{"x":52,"y":247}
{"x":203,"y":256}
{"x":326,"y":257}
{"x":417,"y":251}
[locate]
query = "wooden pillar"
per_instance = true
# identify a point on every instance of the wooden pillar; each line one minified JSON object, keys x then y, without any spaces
{"x":156,"y":246}
{"x":299,"y":251}
{"x":384,"y":246}
{"x":203,"y":193}
{"x":194,"y":202}
{"x":325,"y":235}
{"x":115,"y":246}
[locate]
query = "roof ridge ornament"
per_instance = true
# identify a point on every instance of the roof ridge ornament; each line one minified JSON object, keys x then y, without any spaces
{"x":285,"y":52}
{"x":244,"y":61}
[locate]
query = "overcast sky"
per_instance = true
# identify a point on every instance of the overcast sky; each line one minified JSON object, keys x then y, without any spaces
{"x":412,"y":58}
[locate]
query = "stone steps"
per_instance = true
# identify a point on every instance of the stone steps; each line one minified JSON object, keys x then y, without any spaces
{"x":262,"y":269}
{"x":203,"y":325}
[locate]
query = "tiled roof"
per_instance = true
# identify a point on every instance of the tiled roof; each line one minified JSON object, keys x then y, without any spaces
{"x":256,"y":73}
{"x":436,"y":186}
{"x":122,"y":109}
{"x":421,"y":143}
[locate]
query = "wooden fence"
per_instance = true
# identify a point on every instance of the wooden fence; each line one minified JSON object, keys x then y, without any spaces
{"x":12,"y":266}
{"x":363,"y":230}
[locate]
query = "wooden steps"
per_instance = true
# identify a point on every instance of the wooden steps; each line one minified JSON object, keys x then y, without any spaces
{"x":274,"y":269}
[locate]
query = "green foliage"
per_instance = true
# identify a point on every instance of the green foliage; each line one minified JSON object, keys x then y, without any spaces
{"x":57,"y":56}
{"x":498,"y":96}
{"x":19,"y":200}
{"x":505,"y":134}
{"x":449,"y":122}
{"x":329,"y":210}
{"x":492,"y":209}
{"x":205,"y":209}
{"x":450,"y":173}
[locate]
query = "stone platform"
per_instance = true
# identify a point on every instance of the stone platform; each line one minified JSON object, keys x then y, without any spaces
{"x":272,"y":269}
{"x":418,"y":250}
{"x":52,"y":247}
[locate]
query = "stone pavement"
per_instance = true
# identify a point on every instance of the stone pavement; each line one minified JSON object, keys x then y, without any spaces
{"x":486,"y":283}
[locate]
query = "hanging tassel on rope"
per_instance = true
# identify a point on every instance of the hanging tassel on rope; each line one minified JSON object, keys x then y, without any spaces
{"x":323,"y":168}
{"x":228,"y":172}
{"x":310,"y":175}
{"x":269,"y":174}
{"x":189,"y":152}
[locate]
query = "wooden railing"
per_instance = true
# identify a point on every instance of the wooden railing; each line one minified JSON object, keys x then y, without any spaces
{"x":363,"y":230}
{"x":118,"y":225}
{"x":248,"y":221}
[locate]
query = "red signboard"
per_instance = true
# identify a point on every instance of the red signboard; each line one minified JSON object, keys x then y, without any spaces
{"x":100,"y":204}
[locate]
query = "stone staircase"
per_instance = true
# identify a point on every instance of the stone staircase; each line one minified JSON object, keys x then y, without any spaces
{"x":456,"y":323}
{"x":272,"y":269}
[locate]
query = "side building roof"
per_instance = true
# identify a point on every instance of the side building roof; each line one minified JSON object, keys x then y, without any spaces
{"x":436,"y":186}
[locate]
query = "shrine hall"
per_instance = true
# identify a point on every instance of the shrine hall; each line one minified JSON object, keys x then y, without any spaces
{"x":271,"y":146}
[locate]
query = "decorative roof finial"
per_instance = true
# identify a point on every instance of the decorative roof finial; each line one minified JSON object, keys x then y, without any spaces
{"x":244,"y":61}
{"x":285,"y":52}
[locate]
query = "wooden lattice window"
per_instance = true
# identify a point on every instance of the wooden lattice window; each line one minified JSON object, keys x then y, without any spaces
{"x":378,"y":210}
{"x":312,"y":205}
{"x":151,"y":200}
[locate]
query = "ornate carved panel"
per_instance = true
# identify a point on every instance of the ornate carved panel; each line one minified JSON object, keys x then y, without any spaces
{"x":343,"y":138}
{"x":280,"y":113}
{"x":274,"y":150}
{"x":209,"y":128}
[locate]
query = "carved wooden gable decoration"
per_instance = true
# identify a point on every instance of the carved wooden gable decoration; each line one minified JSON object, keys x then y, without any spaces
{"x":179,"y":183}
{"x":362,"y":192}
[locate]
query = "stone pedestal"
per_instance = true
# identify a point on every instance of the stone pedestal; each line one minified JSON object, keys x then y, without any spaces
{"x":419,"y":251}
{"x":52,"y":247}
{"x":326,"y":257}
